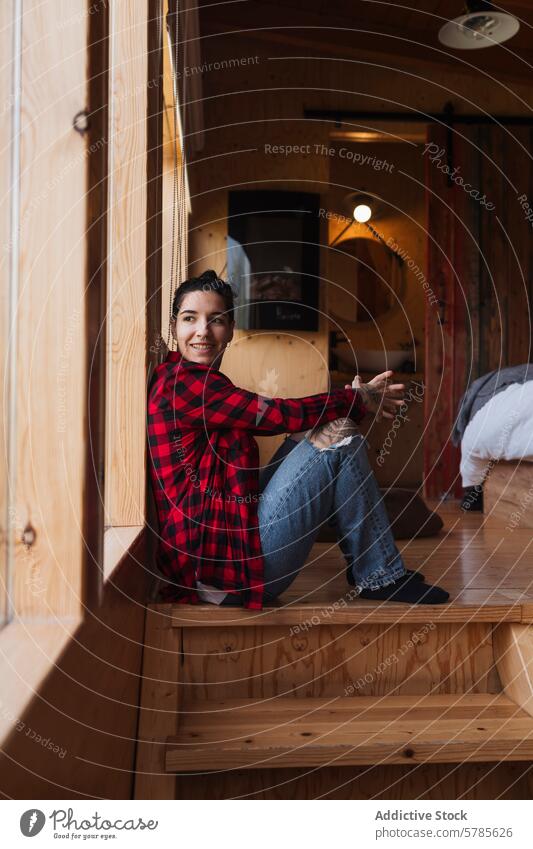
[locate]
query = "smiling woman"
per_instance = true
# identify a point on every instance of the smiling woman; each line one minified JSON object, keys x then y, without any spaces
{"x":225,"y":536}
{"x":202,"y":320}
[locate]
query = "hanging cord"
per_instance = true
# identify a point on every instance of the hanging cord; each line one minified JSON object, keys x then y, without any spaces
{"x":161,"y":348}
{"x":178,"y":260}
{"x":173,"y":270}
{"x":182,"y":244}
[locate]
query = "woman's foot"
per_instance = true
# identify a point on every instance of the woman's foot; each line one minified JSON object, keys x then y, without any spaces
{"x":408,"y":590}
{"x":416,"y":576}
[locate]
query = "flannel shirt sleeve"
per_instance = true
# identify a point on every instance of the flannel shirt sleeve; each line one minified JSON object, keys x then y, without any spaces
{"x":210,"y":401}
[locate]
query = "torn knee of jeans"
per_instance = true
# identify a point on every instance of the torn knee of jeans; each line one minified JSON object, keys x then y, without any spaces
{"x":327,"y":445}
{"x":333,"y":434}
{"x":345,"y":441}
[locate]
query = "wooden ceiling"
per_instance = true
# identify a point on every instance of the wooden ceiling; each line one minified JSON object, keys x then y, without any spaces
{"x":406,"y":31}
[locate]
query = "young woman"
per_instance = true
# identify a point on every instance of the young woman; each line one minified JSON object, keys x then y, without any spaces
{"x":227,"y":537}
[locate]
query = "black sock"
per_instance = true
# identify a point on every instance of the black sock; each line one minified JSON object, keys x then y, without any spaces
{"x":416,"y":576}
{"x":408,"y":591}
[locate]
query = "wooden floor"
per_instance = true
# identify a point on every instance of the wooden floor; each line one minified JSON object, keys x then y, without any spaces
{"x":324,"y":694}
{"x":488,"y":572}
{"x":476,"y":563}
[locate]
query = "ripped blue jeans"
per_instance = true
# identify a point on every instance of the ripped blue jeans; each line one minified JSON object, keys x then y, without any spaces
{"x":304,"y":486}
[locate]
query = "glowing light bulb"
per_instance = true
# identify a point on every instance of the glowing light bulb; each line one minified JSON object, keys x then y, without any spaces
{"x":362,"y":213}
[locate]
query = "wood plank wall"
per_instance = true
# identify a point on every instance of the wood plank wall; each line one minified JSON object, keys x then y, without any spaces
{"x":506,"y":239}
{"x":6,"y":118}
{"x":87,"y":707}
{"x":126,"y":293}
{"x":258,"y":96}
{"x":480,"y":264}
{"x":50,"y":312}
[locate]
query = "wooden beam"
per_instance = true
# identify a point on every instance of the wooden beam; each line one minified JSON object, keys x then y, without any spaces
{"x":7,"y":99}
{"x":51,"y":263}
{"x":126,"y":286}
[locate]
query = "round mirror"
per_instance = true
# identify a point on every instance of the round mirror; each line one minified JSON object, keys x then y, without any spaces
{"x":365,"y":280}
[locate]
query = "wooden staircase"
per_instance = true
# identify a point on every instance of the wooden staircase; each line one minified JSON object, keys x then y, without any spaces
{"x":233,"y":700}
{"x":288,"y":732}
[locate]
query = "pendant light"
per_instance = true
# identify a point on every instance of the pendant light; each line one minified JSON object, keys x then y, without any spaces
{"x":480,"y":26}
{"x":361,"y":207}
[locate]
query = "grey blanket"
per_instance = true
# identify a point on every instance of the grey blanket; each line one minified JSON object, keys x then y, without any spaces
{"x":482,"y":390}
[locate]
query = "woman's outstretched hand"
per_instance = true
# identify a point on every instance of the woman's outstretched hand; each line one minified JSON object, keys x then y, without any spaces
{"x":379,"y":395}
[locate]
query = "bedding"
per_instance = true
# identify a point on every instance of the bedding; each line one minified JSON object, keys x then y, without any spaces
{"x":501,"y":430}
{"x":485,"y":388}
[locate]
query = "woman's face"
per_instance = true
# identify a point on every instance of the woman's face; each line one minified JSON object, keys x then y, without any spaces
{"x":202,"y":328}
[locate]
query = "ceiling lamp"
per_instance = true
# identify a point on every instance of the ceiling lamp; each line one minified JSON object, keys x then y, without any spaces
{"x":480,"y":26}
{"x":361,"y":206}
{"x":362,"y":213}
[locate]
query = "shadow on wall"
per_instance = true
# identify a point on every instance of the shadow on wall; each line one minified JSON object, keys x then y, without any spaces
{"x":77,"y":739}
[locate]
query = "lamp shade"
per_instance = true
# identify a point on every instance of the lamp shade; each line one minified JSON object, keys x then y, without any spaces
{"x":478,"y":29}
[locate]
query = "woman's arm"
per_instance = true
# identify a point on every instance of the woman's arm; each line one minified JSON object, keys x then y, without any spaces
{"x":210,"y":401}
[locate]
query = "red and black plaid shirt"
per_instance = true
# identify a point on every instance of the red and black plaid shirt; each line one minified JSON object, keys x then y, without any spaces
{"x":204,"y":467}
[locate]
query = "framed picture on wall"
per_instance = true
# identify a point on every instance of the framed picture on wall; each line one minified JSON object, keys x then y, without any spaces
{"x":274,"y":259}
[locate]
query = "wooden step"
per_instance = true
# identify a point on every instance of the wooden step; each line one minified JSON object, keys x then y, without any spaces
{"x":293,"y":732}
{"x":487,"y":572}
{"x":340,"y":612}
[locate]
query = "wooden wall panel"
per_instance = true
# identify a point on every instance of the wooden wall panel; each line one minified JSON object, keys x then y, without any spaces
{"x":126,"y":282}
{"x":84,"y":700}
{"x":7,"y":84}
{"x":517,"y":238}
{"x":493,"y":282}
{"x":440,"y":460}
{"x":467,"y":262}
{"x":484,"y":277}
{"x":51,"y":362}
{"x":277,"y":364}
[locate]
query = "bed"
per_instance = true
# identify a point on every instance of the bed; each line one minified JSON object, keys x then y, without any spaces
{"x":497,"y":447}
{"x":501,"y":430}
